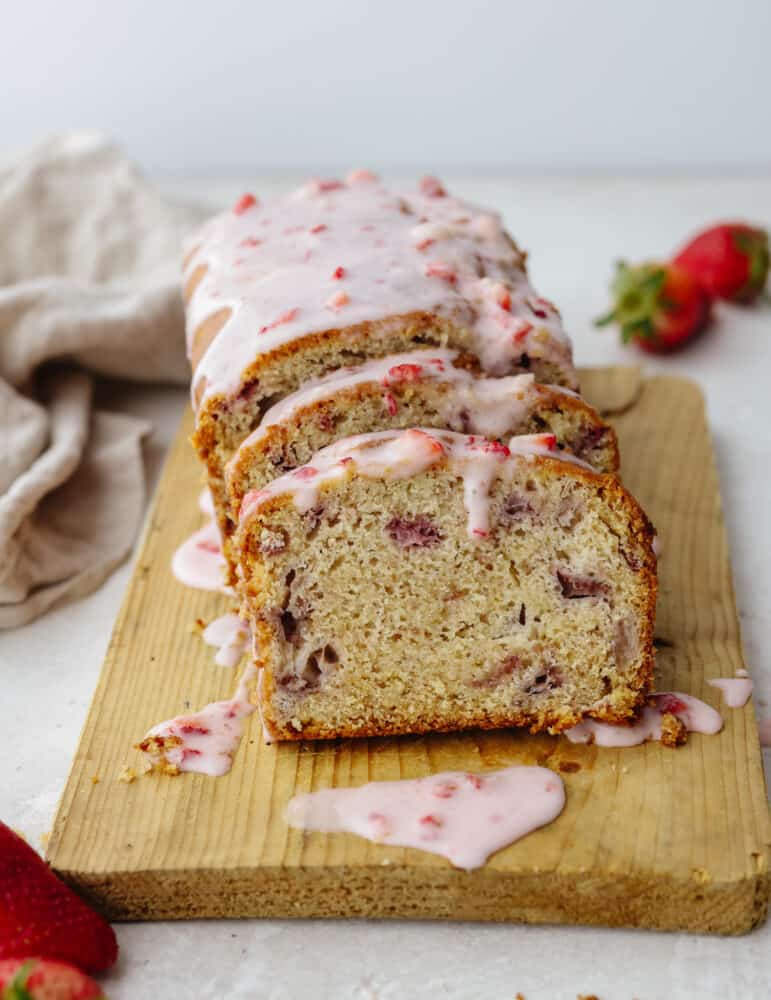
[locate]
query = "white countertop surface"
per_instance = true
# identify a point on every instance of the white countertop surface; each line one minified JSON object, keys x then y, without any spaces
{"x":574,"y":228}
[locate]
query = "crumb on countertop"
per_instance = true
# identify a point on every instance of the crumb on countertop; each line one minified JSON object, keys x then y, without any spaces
{"x":198,"y":626}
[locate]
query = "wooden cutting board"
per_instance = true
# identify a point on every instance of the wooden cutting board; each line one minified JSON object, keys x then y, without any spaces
{"x":649,"y":837}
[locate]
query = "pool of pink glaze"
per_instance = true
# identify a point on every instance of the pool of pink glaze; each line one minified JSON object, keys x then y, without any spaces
{"x":697,"y":715}
{"x":463,"y":816}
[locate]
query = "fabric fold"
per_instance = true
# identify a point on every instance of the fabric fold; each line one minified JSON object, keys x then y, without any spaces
{"x":89,"y":285}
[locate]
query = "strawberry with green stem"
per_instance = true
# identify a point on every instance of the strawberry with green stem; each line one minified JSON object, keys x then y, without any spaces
{"x":40,"y":915}
{"x":659,"y":307}
{"x":44,"y":979}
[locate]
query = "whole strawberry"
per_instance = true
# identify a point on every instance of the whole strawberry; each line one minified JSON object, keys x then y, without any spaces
{"x":730,"y":260}
{"x":659,"y":307}
{"x":43,"y":979}
{"x":39,"y":915}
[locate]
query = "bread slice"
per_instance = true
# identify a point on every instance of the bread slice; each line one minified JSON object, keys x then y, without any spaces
{"x":339,"y":272}
{"x":417,"y":389}
{"x":407,"y":581}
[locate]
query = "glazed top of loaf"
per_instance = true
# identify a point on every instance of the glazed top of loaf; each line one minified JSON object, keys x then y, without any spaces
{"x":401,"y":454}
{"x":338,"y":253}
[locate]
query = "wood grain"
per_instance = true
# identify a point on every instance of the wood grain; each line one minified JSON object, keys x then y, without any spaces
{"x":650,"y":837}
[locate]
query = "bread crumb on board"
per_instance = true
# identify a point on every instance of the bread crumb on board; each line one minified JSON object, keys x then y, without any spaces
{"x":673,"y":730}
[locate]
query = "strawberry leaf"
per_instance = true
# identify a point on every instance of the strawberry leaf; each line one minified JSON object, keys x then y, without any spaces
{"x":637,"y":329}
{"x":17,"y":988}
{"x":606,"y":320}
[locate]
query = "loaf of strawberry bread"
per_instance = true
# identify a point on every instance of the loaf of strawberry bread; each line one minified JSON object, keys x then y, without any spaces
{"x":342,"y":271}
{"x":415,"y":580}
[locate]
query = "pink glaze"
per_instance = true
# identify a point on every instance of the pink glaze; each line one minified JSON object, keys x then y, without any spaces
{"x":198,"y":562}
{"x":697,"y":716}
{"x":464,"y":817}
{"x":398,"y":454}
{"x":205,"y":502}
{"x":736,"y":691}
{"x":208,"y":738}
{"x":231,"y":635}
{"x":275,"y":267}
{"x":489,"y":406}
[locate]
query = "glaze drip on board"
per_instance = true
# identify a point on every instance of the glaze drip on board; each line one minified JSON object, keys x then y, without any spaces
{"x":696,"y":715}
{"x":230,"y":634}
{"x":198,"y":562}
{"x":736,"y":691}
{"x":462,"y":816}
{"x":205,"y":741}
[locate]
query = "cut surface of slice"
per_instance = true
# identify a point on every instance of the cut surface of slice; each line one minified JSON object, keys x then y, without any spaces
{"x":408,"y":581}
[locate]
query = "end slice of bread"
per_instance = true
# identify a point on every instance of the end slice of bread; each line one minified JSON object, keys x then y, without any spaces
{"x":424,"y":580}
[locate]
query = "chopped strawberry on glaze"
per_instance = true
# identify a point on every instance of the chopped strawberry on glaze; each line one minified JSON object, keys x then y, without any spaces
{"x":523,"y":329}
{"x":489,"y":447}
{"x":432,"y":187}
{"x":424,"y":440}
{"x":337,"y":301}
{"x":359,"y":176}
{"x":404,"y":373}
{"x":668,"y":702}
{"x":503,"y":298}
{"x":244,"y":203}
{"x":287,"y":317}
{"x":439,"y":269}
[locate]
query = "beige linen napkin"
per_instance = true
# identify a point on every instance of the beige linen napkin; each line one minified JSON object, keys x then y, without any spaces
{"x":89,"y":282}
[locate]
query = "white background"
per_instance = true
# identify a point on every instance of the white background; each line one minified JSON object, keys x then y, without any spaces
{"x":187,"y":85}
{"x":462,"y":89}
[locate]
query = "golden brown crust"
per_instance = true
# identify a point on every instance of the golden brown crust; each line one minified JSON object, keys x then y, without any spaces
{"x":194,"y":280}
